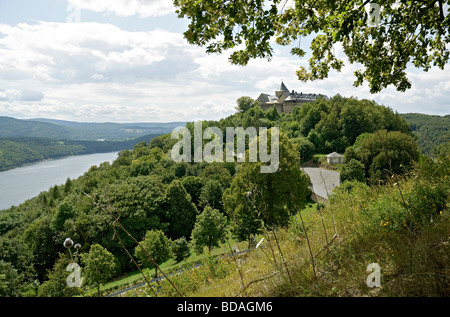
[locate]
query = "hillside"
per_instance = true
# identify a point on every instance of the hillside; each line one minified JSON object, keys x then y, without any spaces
{"x":68,"y":130}
{"x":28,"y":141}
{"x":431,"y":131}
{"x":10,"y":127}
{"x":399,"y":220}
{"x":15,"y":152}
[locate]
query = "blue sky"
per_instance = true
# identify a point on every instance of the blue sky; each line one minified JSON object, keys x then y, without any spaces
{"x":127,"y":61}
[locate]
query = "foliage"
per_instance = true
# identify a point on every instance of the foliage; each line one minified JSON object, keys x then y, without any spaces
{"x":180,"y":249}
{"x":157,"y":245}
{"x":431,"y":131}
{"x":209,"y":229}
{"x":9,"y":280}
{"x":414,"y":258}
{"x":256,"y":200}
{"x":56,"y":286}
{"x":194,"y":186}
{"x":211,"y":195}
{"x":99,"y":266}
{"x":305,"y":147}
{"x":245,"y":103}
{"x":409,"y":33}
{"x":384,"y":154}
{"x":147,"y":191}
{"x":180,"y":211}
{"x":352,"y":170}
{"x":64,"y":212}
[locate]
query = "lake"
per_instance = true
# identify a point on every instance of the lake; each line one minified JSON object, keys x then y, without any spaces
{"x":20,"y":184}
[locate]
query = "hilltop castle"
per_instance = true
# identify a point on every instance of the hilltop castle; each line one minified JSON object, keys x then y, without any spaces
{"x":286,"y":100}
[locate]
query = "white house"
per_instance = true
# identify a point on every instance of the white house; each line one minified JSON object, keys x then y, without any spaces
{"x":335,"y":158}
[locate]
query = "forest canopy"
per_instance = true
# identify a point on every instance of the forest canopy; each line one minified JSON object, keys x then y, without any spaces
{"x":146,"y":190}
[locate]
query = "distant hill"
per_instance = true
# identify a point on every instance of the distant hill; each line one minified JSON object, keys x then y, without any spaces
{"x":431,"y":130}
{"x":15,"y":152}
{"x":69,"y":130}
{"x":28,"y":141}
{"x":10,"y":127}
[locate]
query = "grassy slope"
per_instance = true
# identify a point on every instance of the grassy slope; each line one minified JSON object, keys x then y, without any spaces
{"x":404,"y":227}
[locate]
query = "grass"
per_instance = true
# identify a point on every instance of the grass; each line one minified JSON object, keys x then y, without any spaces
{"x":360,"y":226}
{"x":133,"y":278}
{"x":404,"y":227}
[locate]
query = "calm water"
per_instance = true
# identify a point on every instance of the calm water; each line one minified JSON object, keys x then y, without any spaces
{"x":20,"y":184}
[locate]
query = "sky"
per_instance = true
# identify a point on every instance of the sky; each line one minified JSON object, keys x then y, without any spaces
{"x":127,"y":61}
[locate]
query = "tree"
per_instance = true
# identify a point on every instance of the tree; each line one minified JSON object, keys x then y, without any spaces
{"x":180,"y":211}
{"x":258,"y":200}
{"x":9,"y":280}
{"x":409,"y":32}
{"x":99,"y":266}
{"x":305,"y":148}
{"x":39,"y":241}
{"x":385,"y":153}
{"x":180,"y":249}
{"x":217,"y":171}
{"x":157,"y":246}
{"x":211,"y":195}
{"x":138,"y":201}
{"x":352,"y":170}
{"x":180,"y":169}
{"x":56,"y":285}
{"x":193,"y":186}
{"x":245,"y":103}
{"x":64,"y":212}
{"x":209,"y":230}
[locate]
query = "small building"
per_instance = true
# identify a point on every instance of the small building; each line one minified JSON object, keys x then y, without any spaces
{"x":335,"y":158}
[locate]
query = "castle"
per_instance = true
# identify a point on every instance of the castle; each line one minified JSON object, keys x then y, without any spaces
{"x":286,"y":100}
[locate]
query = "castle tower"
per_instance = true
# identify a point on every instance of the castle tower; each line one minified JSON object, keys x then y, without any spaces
{"x":281,"y":90}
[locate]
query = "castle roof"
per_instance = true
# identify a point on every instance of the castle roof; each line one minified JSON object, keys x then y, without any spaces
{"x":282,"y":87}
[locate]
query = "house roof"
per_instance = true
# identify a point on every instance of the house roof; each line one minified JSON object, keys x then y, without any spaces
{"x":334,"y":154}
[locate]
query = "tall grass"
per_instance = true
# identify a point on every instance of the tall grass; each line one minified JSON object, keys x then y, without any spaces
{"x":403,"y":226}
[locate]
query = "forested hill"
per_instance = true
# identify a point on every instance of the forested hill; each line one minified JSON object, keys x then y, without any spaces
{"x":28,"y":141}
{"x":68,"y":130}
{"x":431,"y":131}
{"x":150,"y":193}
{"x":15,"y":152}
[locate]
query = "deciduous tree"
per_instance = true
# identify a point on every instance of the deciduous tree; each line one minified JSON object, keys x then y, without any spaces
{"x":209,"y":230}
{"x":157,"y":246}
{"x":409,"y":33}
{"x":99,"y":266}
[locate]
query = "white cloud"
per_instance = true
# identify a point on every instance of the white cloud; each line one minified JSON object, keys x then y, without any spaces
{"x":24,"y":95}
{"x":143,"y":8}
{"x":100,"y":72}
{"x":97,"y":76}
{"x":52,"y":52}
